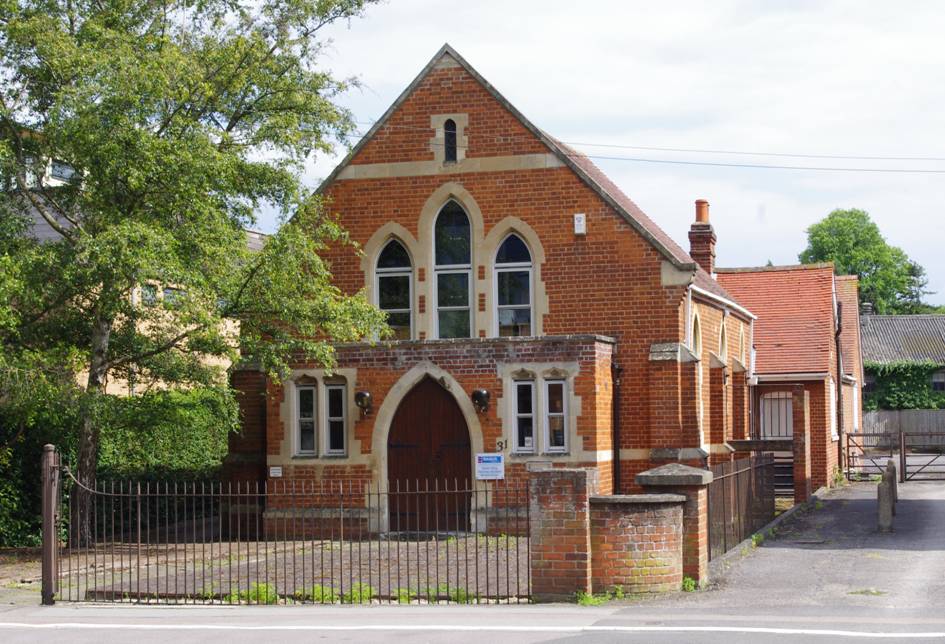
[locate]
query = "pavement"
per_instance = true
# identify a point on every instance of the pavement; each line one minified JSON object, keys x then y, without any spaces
{"x":826,"y":575}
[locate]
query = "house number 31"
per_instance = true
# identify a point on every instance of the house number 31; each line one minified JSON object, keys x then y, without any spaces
{"x":501,"y":444}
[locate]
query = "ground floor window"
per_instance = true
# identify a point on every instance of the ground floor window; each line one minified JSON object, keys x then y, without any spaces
{"x":305,"y":419}
{"x":556,"y":435}
{"x":777,"y":415}
{"x":335,"y":420}
{"x":320,"y":434}
{"x":524,"y":416}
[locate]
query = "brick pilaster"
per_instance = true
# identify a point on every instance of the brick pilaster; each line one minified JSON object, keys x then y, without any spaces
{"x":800,"y":402}
{"x":693,"y":483}
{"x":560,"y":533}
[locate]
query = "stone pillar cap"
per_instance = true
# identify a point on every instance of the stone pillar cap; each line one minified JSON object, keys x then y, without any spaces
{"x":674,"y":474}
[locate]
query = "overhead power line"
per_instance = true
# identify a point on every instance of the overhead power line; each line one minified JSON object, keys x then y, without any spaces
{"x":722,"y":164}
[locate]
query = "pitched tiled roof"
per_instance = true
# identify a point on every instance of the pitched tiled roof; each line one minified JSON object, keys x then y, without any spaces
{"x":794,"y":305}
{"x":608,"y":189}
{"x":893,"y":338}
{"x":848,"y":296}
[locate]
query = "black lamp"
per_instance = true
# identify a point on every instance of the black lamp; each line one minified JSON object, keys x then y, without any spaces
{"x":480,"y":399}
{"x":363,"y":400}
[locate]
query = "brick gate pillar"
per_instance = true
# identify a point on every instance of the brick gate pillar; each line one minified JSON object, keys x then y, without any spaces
{"x":560,"y":532}
{"x":693,"y":483}
{"x":800,"y":409}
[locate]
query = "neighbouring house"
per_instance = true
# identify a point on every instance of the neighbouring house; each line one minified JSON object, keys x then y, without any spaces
{"x":904,"y":360}
{"x":537,"y":312}
{"x":149,"y":294}
{"x":806,"y":334}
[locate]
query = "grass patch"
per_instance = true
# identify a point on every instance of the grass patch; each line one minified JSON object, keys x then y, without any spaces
{"x":359,"y":594}
{"x":256,"y":594}
{"x":869,"y":592}
{"x":318,"y":594}
{"x":590,"y":599}
{"x":689,"y":585}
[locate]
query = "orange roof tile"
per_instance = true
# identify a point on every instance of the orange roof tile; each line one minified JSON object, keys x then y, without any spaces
{"x":848,"y":295}
{"x":794,"y":305}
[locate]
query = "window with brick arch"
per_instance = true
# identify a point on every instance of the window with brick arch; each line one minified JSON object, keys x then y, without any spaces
{"x":723,"y":344}
{"x":394,"y":276}
{"x":449,"y":141}
{"x":453,"y":272}
{"x":513,"y":288}
{"x":697,"y":350}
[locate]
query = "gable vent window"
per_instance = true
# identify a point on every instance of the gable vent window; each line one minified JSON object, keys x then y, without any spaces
{"x":395,"y":288}
{"x":453,"y":255}
{"x":513,"y":273}
{"x":449,"y":141}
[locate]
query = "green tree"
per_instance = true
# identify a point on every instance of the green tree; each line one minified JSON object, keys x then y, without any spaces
{"x":891,"y":281}
{"x":179,"y":119}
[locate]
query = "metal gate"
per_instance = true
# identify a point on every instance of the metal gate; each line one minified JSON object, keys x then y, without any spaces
{"x":868,"y":453}
{"x":282,"y":542}
{"x":922,"y":456}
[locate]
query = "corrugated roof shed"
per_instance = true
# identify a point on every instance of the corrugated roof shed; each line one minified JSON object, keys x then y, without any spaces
{"x":794,"y":305}
{"x":895,"y":338}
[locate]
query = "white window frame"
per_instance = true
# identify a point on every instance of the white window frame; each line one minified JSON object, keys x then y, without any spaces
{"x":517,"y":267}
{"x":546,"y":416}
{"x":394,"y":272}
{"x":833,"y":409}
{"x":516,"y":415}
{"x":453,"y":269}
{"x":327,"y":449}
{"x":298,"y":419}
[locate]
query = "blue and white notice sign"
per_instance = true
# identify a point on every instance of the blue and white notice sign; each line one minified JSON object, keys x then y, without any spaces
{"x":490,"y":467}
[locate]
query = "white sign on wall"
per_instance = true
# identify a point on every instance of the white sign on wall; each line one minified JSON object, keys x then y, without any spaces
{"x":490,"y":467}
{"x":275,"y":472}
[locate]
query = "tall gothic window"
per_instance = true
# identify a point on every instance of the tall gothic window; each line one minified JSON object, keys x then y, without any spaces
{"x":453,"y":257}
{"x":513,"y":274}
{"x":395,"y":288}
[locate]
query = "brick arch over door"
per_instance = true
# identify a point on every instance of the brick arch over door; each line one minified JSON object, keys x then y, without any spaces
{"x":388,"y":408}
{"x":428,"y":448}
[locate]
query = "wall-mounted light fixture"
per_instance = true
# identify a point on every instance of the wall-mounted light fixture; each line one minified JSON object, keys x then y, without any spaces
{"x":363,"y":400}
{"x":480,"y":399}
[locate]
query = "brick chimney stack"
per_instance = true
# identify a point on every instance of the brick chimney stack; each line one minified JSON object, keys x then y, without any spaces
{"x":702,"y":238}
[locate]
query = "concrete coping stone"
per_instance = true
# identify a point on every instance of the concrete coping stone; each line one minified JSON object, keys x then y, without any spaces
{"x":638,"y":498}
{"x":674,"y":474}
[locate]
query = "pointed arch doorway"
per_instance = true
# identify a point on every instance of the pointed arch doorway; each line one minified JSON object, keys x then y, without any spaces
{"x":428,"y":446}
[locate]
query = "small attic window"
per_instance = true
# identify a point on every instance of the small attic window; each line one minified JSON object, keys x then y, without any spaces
{"x":449,"y":141}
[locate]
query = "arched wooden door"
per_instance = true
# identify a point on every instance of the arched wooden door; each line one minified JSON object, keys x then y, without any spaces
{"x":428,"y":447}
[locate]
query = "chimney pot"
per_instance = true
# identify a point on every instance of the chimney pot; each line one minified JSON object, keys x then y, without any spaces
{"x":702,"y":211}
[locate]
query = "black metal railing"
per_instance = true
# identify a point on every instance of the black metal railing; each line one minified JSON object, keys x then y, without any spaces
{"x":741,"y":501}
{"x":294,"y":541}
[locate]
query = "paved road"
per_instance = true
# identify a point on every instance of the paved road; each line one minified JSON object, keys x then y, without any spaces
{"x":826,"y":577}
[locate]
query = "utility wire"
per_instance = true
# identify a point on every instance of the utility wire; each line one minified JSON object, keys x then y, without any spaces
{"x":720,"y":164}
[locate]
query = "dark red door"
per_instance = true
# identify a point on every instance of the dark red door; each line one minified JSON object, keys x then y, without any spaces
{"x":428,"y":448}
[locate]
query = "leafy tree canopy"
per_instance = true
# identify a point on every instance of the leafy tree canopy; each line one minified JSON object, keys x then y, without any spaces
{"x":178,"y":121}
{"x":889,"y":279}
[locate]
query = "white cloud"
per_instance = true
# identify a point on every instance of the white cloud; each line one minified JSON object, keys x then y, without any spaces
{"x":843,"y":77}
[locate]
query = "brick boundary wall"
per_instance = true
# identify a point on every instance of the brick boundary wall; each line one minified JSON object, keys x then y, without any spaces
{"x":636,"y":542}
{"x":582,"y":542}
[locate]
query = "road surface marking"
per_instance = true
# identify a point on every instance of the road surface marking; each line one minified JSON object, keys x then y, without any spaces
{"x":479,"y":628}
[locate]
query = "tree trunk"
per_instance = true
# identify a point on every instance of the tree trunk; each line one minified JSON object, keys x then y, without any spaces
{"x":87,"y":458}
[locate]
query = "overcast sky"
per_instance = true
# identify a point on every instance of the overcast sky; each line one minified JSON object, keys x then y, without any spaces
{"x":819,"y":78}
